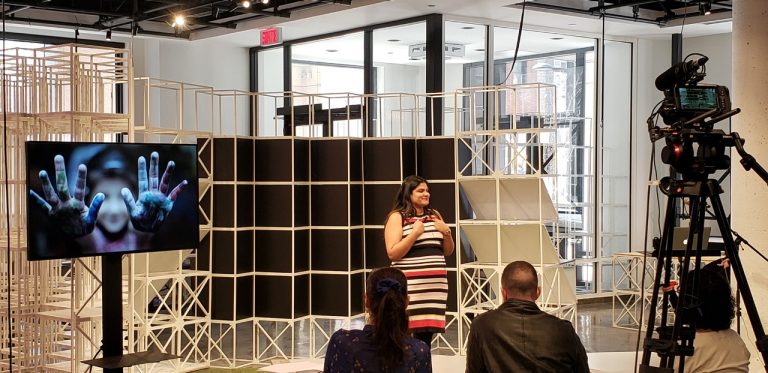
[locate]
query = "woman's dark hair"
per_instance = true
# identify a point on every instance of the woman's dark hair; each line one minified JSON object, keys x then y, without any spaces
{"x":387,"y":291}
{"x":716,"y":303}
{"x":403,"y":203}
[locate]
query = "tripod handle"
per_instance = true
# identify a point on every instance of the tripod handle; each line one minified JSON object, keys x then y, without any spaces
{"x":747,"y":160}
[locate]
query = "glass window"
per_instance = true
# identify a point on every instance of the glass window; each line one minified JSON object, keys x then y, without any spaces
{"x":464,"y":68}
{"x":400,"y":68}
{"x":331,"y":71}
{"x":270,"y":86}
{"x":567,"y":62}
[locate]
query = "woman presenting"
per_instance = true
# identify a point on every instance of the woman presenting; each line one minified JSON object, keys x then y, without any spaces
{"x":417,"y":241}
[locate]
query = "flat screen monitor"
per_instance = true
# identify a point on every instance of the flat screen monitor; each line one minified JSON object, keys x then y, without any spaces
{"x":87,"y":199}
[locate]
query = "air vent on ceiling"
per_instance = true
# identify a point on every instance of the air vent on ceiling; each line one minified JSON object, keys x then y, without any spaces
{"x":419,"y":51}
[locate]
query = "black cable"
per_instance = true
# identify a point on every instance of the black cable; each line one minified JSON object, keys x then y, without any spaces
{"x":517,"y":45}
{"x":651,"y":172}
{"x":7,"y":198}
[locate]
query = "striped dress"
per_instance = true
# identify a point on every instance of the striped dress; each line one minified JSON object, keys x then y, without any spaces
{"x":424,"y":266}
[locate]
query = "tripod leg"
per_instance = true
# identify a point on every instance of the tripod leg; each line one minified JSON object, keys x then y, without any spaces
{"x":741,"y":278}
{"x":663,"y":266}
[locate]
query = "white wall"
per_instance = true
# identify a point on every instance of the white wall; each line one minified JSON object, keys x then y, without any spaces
{"x":209,"y":62}
{"x":652,"y":58}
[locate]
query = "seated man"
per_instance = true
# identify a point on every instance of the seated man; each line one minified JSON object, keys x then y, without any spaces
{"x":518,"y":336}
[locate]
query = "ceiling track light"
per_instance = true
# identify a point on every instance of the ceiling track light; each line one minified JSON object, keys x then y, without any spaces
{"x":705,"y":8}
{"x":245,"y":4}
{"x":178,"y":20}
{"x":265,"y":2}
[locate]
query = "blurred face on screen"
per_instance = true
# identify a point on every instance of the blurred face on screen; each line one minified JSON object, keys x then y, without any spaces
{"x":113,"y":215}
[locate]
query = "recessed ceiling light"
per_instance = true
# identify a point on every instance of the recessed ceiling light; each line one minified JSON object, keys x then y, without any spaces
{"x":393,"y":40}
{"x":556,"y":38}
{"x":468,"y":28}
{"x":331,"y":50}
{"x":571,"y":24}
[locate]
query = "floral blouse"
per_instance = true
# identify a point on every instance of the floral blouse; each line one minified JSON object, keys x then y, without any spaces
{"x":355,"y":351}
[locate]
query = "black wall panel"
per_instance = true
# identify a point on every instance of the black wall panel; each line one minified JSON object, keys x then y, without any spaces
{"x":273,"y":296}
{"x":274,"y":159}
{"x":301,"y":296}
{"x":329,"y":159}
{"x":379,"y":199}
{"x":442,"y":198}
{"x":223,"y":252}
{"x":272,"y":251}
{"x":301,"y":250}
{"x":223,"y":206}
{"x":331,"y":294}
{"x":375,"y":251}
{"x":223,"y":159}
{"x":301,"y":205}
{"x":355,"y":160}
{"x":244,"y":300}
{"x":245,"y":251}
{"x":223,"y":292}
{"x":356,"y":249}
{"x":381,"y":160}
{"x":273,"y":206}
{"x":408,"y":158}
{"x":355,"y":204}
{"x":330,"y":249}
{"x":245,"y":160}
{"x":301,"y":160}
{"x":435,"y":158}
{"x":245,"y":205}
{"x":204,"y":253}
{"x":329,"y":205}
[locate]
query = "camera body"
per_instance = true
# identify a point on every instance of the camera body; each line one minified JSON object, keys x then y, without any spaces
{"x":682,"y":104}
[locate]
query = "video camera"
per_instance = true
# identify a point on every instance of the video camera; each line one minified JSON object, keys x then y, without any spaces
{"x":691,"y":110}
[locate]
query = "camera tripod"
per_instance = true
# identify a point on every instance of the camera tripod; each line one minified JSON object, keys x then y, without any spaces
{"x":676,"y":339}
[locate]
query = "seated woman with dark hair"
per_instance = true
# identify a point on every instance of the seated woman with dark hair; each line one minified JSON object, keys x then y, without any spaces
{"x":384,"y":344}
{"x":716,"y":347}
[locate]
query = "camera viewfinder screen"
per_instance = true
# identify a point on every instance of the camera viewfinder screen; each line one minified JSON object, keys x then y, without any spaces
{"x":87,"y":199}
{"x":697,"y":98}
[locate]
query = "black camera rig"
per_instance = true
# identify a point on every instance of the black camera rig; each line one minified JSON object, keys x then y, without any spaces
{"x":695,"y":150}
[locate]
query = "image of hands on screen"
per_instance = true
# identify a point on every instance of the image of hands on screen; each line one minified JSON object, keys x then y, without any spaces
{"x":113,"y":207}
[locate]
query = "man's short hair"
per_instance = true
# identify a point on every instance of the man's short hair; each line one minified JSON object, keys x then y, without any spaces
{"x":519,"y":279}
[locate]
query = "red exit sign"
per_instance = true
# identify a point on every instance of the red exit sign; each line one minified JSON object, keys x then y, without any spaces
{"x":271,"y":36}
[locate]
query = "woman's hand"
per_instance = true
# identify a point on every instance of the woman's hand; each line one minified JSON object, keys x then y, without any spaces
{"x":155,"y":202}
{"x":71,"y":214}
{"x":441,"y":226}
{"x":418,"y":228}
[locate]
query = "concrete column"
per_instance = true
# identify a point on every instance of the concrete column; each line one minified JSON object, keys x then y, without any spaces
{"x":749,"y":92}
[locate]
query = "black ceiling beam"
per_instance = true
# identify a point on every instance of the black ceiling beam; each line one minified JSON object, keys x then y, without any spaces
{"x":43,"y":6}
{"x":621,"y":5}
{"x":587,"y":12}
{"x":15,"y":9}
